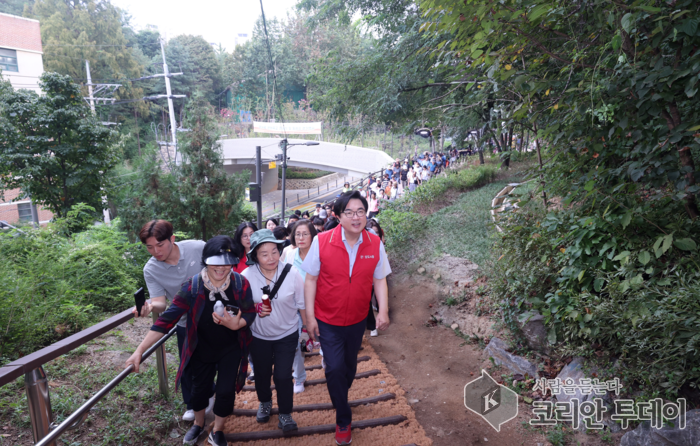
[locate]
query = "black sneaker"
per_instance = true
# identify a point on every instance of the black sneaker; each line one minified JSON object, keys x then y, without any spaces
{"x":287,"y":423}
{"x":251,"y":377}
{"x":263,"y":415}
{"x":217,"y":439}
{"x":192,"y":434}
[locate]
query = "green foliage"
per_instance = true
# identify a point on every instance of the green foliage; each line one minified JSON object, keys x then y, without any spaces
{"x":460,"y":180}
{"x":14,"y":7}
{"x":403,"y":225}
{"x":197,"y":196}
{"x":97,"y":31}
{"x":400,"y":227}
{"x":203,"y":69}
{"x":78,"y":219}
{"x":303,"y":174}
{"x":52,"y":285}
{"x":622,"y":278}
{"x":52,"y":147}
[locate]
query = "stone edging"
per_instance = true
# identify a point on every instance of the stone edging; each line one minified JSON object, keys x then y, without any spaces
{"x":497,"y":204}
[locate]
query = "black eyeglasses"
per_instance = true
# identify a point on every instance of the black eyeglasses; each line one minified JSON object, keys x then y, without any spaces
{"x":350,"y":214}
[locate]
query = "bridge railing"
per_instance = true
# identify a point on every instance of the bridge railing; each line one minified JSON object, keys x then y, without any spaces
{"x":302,"y":198}
{"x":36,"y":382}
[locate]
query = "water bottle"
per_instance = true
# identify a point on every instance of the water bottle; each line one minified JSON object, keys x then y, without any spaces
{"x":266,"y":302}
{"x":219,"y":308}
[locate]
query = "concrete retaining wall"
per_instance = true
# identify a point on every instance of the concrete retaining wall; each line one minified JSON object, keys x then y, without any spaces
{"x":313,"y":184}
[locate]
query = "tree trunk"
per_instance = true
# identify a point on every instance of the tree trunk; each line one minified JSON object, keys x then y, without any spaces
{"x":203,"y":222}
{"x":138,"y":140}
{"x":539,"y":159}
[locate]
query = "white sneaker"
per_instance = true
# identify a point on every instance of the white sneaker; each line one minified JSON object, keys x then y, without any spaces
{"x":299,"y":387}
{"x":373,"y":333}
{"x":189,"y":415}
{"x":210,"y":407}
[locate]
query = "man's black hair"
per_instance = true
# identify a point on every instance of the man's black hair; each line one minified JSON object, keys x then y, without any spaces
{"x":342,"y":202}
{"x":281,"y":232}
{"x":214,"y":246}
{"x":238,"y":248}
{"x":318,"y":221}
{"x":297,"y":213}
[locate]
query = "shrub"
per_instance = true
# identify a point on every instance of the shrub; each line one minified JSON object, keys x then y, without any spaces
{"x":303,"y":174}
{"x":53,"y":285}
{"x":460,"y":180}
{"x":625,"y":280}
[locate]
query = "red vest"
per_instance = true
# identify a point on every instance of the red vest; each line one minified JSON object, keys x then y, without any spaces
{"x":340,"y":299}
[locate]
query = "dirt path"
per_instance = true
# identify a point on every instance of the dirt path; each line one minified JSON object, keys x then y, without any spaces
{"x":433,"y":366}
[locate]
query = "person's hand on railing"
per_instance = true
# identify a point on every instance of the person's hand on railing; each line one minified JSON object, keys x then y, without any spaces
{"x":134,"y":360}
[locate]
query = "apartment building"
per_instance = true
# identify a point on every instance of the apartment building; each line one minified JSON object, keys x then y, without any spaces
{"x":21,"y":63}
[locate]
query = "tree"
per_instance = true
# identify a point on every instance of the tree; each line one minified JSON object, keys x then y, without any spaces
{"x":14,"y":7}
{"x":205,"y":65}
{"x":51,"y":146}
{"x":211,"y":199}
{"x":149,"y":42}
{"x":75,"y":31}
{"x":198,"y":196}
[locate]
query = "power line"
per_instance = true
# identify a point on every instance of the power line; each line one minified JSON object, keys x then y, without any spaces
{"x":99,"y":44}
{"x":272,"y":64}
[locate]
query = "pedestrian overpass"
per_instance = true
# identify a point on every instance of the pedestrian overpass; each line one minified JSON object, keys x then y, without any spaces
{"x":348,"y":160}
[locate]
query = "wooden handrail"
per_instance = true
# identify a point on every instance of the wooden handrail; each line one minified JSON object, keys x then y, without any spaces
{"x":25,"y":364}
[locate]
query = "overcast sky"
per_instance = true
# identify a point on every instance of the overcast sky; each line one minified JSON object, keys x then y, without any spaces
{"x":217,"y":21}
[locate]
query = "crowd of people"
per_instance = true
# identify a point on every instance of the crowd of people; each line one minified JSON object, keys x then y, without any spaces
{"x":402,"y":177}
{"x":260,"y":300}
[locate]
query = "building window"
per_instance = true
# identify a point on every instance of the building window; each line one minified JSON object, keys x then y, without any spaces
{"x":25,"y":211}
{"x":8,"y":60}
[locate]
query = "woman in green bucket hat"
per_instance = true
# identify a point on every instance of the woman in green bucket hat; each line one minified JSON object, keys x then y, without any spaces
{"x":275,"y":332}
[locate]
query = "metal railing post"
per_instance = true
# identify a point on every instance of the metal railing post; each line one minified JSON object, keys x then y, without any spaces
{"x":37,"y":388}
{"x":161,"y":365}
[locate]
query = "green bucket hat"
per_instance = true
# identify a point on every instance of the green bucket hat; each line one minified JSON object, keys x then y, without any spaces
{"x":262,"y":236}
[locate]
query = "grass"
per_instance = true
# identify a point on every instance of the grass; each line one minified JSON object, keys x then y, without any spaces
{"x":463,"y":229}
{"x":133,"y":413}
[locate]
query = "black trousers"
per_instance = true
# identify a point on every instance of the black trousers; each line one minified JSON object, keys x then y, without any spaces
{"x":371,"y":320}
{"x":203,"y":373}
{"x":340,"y":346}
{"x":279,"y":353}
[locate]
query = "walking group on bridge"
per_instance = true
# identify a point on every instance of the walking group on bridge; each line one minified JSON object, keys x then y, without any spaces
{"x":261,"y":298}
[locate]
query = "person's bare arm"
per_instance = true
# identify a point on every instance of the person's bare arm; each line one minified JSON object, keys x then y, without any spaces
{"x":157,"y":304}
{"x":309,"y":300}
{"x":381,"y":291}
{"x":151,"y":338}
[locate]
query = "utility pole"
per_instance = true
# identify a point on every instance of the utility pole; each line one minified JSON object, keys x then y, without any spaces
{"x":283,"y":145}
{"x":89,"y":78}
{"x":109,"y":89}
{"x":171,"y":109}
{"x":103,"y":90}
{"x":258,"y":179}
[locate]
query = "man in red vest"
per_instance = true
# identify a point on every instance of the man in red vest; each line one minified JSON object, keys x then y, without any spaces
{"x":341,"y":267}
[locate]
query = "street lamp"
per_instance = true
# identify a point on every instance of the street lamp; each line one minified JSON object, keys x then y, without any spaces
{"x":284,"y":145}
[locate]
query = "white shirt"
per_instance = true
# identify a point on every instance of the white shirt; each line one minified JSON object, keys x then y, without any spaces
{"x":283,"y":320}
{"x":312,"y":262}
